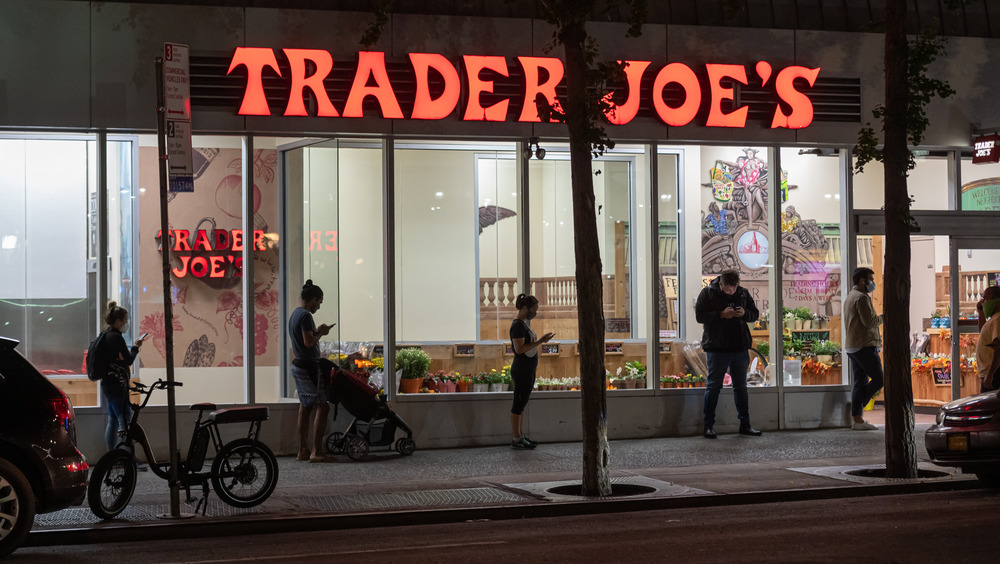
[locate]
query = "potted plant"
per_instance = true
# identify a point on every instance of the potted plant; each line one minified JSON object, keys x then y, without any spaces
{"x":619,"y":381}
{"x":635,"y":372}
{"x":764,"y":348}
{"x":806,"y":316}
{"x":412,"y":364}
{"x":698,"y":381}
{"x":496,"y":381}
{"x":825,"y":351}
{"x":481,"y":383}
{"x":463,"y":383}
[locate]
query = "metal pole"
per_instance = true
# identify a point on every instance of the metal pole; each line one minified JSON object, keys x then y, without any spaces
{"x":653,"y":261}
{"x":168,"y":310}
{"x":389,"y":264}
{"x":249,"y":249}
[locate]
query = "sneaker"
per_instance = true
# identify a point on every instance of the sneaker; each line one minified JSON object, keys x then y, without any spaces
{"x":529,"y":442}
{"x":863,"y":426}
{"x":519,"y":444}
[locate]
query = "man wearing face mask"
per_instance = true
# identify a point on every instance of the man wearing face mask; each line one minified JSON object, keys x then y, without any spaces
{"x":862,"y":344}
{"x":987,"y":359}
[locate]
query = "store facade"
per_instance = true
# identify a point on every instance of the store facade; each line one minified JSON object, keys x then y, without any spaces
{"x":410,"y":188}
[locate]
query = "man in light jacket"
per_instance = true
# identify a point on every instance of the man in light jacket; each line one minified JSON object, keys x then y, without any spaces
{"x":862,"y":344}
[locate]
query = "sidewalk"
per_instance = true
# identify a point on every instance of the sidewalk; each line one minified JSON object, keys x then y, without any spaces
{"x":453,"y":485}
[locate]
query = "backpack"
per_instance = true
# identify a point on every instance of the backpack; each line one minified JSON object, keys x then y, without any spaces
{"x":95,"y":367}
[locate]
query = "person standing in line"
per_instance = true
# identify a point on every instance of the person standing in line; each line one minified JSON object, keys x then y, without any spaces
{"x":987,"y":359}
{"x":522,"y":369}
{"x":305,"y":369}
{"x":725,"y":308}
{"x":862,"y":344}
{"x":114,"y":360}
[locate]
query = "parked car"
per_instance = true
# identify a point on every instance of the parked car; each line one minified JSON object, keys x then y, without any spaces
{"x":967,"y":435}
{"x":41,"y":469}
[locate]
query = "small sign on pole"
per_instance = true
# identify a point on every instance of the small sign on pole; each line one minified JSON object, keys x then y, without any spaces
{"x":177,"y":103}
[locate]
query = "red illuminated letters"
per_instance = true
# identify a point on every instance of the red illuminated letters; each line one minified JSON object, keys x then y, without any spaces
{"x":685,"y":77}
{"x":529,"y":111}
{"x":474,"y":111}
{"x":372,"y":64}
{"x":424,"y":107}
{"x":620,"y":115}
{"x":208,"y":262}
{"x":716,"y":118}
{"x":542,"y":77}
{"x":324,"y":64}
{"x":802,"y":108}
{"x":255,"y":59}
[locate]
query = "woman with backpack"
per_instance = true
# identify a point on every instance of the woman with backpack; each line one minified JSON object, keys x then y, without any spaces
{"x":113,"y":362}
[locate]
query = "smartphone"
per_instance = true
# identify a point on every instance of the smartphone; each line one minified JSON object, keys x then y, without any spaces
{"x":143,"y":336}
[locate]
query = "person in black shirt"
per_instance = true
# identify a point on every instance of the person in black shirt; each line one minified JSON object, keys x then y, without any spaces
{"x":522,"y":369}
{"x":725,"y":308}
{"x":116,"y":358}
{"x":311,"y":389}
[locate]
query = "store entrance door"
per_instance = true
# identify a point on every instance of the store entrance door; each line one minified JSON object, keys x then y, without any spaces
{"x":976,"y":262}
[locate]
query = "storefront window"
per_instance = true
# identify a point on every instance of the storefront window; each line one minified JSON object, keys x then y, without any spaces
{"x":48,"y":234}
{"x":734,"y":235}
{"x":672,"y":364}
{"x":456,"y":254}
{"x":927,"y":184}
{"x":980,"y":186}
{"x":206,"y":255}
{"x":811,"y":266}
{"x":333,"y":191}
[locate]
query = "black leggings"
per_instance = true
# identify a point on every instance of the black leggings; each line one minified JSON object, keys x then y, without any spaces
{"x":523,"y":374}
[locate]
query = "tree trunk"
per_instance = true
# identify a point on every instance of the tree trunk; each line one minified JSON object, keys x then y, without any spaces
{"x":900,"y":446}
{"x":590,"y":319}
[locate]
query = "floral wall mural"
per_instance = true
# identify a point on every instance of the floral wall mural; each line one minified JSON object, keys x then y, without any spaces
{"x":206,"y":242}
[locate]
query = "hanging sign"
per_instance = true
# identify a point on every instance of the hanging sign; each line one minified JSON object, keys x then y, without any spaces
{"x":986,"y":149}
{"x":177,"y":102}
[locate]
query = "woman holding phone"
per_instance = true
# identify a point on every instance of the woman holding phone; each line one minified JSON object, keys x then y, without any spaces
{"x":305,"y":369}
{"x":522,"y":369}
{"x":115,"y":358}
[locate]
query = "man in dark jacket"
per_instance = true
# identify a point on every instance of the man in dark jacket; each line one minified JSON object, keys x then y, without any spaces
{"x":725,"y":308}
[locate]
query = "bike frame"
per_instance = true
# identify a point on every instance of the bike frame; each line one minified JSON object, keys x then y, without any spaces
{"x":136,"y":434}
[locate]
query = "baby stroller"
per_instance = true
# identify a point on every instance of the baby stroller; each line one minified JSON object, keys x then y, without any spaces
{"x":374,"y":423}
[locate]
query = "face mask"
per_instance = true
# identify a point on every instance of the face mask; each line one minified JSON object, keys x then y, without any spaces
{"x":532,"y":315}
{"x":125,"y":327}
{"x":870,"y":287}
{"x":990,"y":306}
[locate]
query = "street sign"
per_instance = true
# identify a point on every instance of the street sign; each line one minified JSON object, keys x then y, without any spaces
{"x":177,"y":103}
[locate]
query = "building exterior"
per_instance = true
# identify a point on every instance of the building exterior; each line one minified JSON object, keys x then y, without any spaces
{"x":407,"y":181}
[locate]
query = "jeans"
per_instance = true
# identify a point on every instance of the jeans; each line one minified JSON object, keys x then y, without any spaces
{"x":867,"y":370}
{"x":119,"y":413}
{"x":736,"y":363}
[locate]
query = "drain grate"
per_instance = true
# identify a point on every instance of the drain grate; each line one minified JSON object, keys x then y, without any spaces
{"x":431,"y":498}
{"x":135,"y":513}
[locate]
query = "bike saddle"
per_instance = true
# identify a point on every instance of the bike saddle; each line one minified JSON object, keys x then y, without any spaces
{"x":239,"y":414}
{"x":203,"y":407}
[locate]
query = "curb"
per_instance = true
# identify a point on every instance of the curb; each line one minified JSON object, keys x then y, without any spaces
{"x":342,"y":521}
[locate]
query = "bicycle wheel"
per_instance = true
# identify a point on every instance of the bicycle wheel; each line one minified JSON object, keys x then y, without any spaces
{"x":244,"y":473}
{"x":112,"y":484}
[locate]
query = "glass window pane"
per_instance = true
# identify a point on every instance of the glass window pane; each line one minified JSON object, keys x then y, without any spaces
{"x":47,"y":293}
{"x":811,"y":266}
{"x":980,"y":186}
{"x":206,"y":255}
{"x":927,"y":184}
{"x":734,"y":235}
{"x":668,"y":249}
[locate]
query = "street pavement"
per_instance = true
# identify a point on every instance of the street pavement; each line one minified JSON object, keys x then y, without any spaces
{"x":456,"y":485}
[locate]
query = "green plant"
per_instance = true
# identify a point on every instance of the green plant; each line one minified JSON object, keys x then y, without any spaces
{"x":826,"y":348}
{"x":505,"y":377}
{"x":936,"y":314}
{"x":413,"y":362}
{"x":634,"y":369}
{"x":803,"y":313}
{"x":764,"y":349}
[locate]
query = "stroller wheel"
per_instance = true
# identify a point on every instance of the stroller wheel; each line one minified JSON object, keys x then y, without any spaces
{"x":405,"y":446}
{"x":335,"y":443}
{"x":357,"y":448}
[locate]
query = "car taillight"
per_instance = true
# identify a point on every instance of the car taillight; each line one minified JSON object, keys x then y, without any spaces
{"x":81,"y":466}
{"x":62,"y":410}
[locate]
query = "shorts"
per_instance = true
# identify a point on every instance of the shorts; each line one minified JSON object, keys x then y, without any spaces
{"x":308,"y":389}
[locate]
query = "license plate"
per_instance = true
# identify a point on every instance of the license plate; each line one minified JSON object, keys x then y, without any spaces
{"x":958,"y":442}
